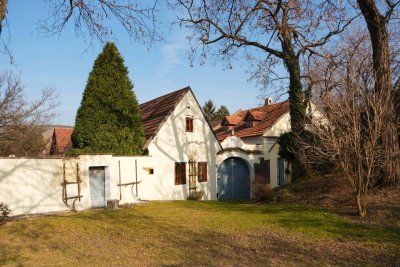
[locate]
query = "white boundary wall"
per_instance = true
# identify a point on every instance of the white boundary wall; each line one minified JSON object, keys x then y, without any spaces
{"x":31,"y":186}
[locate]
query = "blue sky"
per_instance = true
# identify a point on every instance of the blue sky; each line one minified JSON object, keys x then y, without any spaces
{"x":64,"y":62}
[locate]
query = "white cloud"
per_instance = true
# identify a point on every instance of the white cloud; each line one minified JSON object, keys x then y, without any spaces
{"x":171,"y":56}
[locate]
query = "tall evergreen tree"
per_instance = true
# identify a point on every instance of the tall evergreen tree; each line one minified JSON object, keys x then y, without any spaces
{"x":108,"y":119}
{"x":209,"y":110}
{"x":221,"y":113}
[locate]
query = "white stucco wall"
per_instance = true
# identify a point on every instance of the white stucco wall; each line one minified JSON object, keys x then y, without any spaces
{"x":282,"y":125}
{"x":272,"y":156}
{"x":173,"y":144}
{"x":31,"y":186}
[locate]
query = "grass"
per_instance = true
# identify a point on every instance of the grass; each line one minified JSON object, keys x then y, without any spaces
{"x":191,"y":233}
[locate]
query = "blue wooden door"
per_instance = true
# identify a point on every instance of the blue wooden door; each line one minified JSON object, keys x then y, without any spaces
{"x":97,"y":186}
{"x":280,"y":171}
{"x":233,"y":179}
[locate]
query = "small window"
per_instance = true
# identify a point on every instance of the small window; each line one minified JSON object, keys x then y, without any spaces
{"x":249,"y":123}
{"x":189,"y":125}
{"x":202,"y":172}
{"x":180,"y":173}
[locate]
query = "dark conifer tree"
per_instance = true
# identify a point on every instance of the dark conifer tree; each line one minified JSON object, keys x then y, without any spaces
{"x":221,"y":113}
{"x":209,"y":110}
{"x":108,"y":119}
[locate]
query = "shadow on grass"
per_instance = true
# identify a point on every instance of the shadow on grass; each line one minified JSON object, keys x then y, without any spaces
{"x":315,"y":222}
{"x":183,"y":234}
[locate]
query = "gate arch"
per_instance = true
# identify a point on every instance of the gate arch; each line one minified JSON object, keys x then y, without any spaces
{"x":233,"y":179}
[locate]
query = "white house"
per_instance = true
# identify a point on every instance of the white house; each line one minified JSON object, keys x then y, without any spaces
{"x":183,"y":146}
{"x":180,"y":157}
{"x":250,"y":150}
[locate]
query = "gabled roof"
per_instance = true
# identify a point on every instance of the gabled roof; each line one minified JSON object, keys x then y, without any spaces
{"x":232,"y":120}
{"x":61,"y":140}
{"x":255,"y":115}
{"x":266,"y":115}
{"x":155,"y":112}
{"x":153,"y":115}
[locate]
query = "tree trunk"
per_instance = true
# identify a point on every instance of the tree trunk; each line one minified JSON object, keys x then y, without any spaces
{"x":296,"y":98}
{"x":3,"y":9}
{"x":297,"y":105}
{"x":376,"y":24}
{"x":361,"y":204}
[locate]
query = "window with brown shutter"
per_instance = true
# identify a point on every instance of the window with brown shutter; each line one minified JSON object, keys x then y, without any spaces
{"x":202,"y":172}
{"x":180,"y":173}
{"x":189,"y":124}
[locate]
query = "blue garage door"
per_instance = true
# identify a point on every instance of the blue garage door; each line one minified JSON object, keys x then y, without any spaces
{"x":233,"y":179}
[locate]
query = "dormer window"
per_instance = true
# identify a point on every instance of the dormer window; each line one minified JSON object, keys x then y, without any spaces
{"x":229,"y":122}
{"x":252,"y":118}
{"x":249,"y":122}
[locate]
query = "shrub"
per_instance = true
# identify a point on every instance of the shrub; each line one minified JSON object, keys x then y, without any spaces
{"x":263,"y":192}
{"x":196,"y":195}
{"x":282,"y":193}
{"x":4,"y":213}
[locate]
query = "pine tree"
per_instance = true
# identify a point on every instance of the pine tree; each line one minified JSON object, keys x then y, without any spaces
{"x":209,"y":110}
{"x":221,"y":113}
{"x":108,"y":119}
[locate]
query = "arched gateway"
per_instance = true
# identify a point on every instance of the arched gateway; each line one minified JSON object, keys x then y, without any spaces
{"x":233,"y":179}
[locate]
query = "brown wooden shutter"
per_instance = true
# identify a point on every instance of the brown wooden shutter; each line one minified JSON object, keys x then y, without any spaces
{"x":202,"y":172}
{"x":180,"y":173}
{"x":183,"y":173}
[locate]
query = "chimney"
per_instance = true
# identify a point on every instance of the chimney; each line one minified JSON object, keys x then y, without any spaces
{"x":268,"y":101}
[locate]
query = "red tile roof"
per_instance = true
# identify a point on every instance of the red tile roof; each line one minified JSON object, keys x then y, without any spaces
{"x":266,"y":115}
{"x":233,"y":120}
{"x":61,"y":140}
{"x":156,"y":111}
{"x":257,"y":114}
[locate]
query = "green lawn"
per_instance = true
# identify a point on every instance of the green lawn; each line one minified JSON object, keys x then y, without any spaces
{"x":188,"y":233}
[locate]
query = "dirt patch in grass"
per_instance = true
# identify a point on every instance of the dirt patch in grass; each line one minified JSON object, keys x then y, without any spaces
{"x":187,"y":233}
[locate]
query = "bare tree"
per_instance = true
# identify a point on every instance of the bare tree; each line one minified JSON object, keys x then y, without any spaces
{"x":356,"y":118}
{"x":22,"y":121}
{"x":268,"y":33}
{"x":282,"y":30}
{"x":377,"y":22}
{"x":93,"y":18}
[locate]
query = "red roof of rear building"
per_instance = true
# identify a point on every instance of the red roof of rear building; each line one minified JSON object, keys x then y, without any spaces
{"x":257,"y":115}
{"x":233,"y":120}
{"x":265,"y":115}
{"x":61,"y":140}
